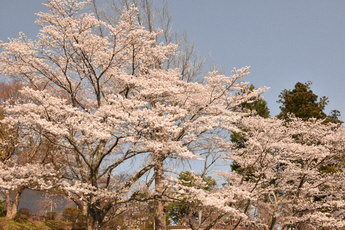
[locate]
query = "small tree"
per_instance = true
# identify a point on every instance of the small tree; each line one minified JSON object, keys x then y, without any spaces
{"x":182,"y":211}
{"x":75,"y":216}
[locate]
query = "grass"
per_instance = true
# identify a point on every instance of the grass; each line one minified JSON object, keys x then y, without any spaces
{"x":6,"y":224}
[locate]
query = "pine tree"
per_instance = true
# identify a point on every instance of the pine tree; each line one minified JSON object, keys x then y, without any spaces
{"x":303,"y":103}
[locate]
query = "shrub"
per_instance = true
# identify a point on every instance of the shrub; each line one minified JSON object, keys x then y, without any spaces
{"x":57,"y":225}
{"x":25,"y":211}
{"x":76,"y":217}
{"x":21,"y":218}
{"x":51,"y":215}
{"x":2,"y":208}
{"x":71,"y":214}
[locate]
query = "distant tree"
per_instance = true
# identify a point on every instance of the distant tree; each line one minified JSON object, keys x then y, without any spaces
{"x":258,"y":106}
{"x":188,"y":211}
{"x":303,"y":103}
{"x":152,"y":17}
{"x":75,"y":216}
{"x":189,"y":179}
{"x":334,"y":116}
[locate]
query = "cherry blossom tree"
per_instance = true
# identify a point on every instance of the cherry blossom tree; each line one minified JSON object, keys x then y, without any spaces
{"x":14,"y":178}
{"x":152,"y":17}
{"x":24,"y":167}
{"x":106,"y":104}
{"x":292,"y":171}
{"x":19,"y":153}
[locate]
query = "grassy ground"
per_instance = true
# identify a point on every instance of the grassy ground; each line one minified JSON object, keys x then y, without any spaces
{"x":6,"y":224}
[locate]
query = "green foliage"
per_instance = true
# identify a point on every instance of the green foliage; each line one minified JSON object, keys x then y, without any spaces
{"x":57,"y":225}
{"x":140,"y":195}
{"x":334,"y":116}
{"x":329,"y":169}
{"x":50,"y":216}
{"x":259,"y":106}
{"x":71,"y":214}
{"x":74,"y":216}
{"x":302,"y":102}
{"x":188,"y":179}
{"x":177,"y":210}
{"x":6,"y":224}
{"x":21,"y":218}
{"x":2,"y":134}
{"x":238,"y":140}
{"x":2,"y":208}
{"x":25,"y":211}
{"x":6,"y":135}
{"x":247,"y":173}
{"x":236,"y":167}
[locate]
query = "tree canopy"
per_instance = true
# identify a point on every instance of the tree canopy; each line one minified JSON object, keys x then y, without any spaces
{"x":302,"y":102}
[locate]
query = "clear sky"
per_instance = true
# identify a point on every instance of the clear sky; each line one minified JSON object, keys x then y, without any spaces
{"x":284,"y":41}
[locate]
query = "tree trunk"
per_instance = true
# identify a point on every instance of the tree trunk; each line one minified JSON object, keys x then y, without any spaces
{"x":86,"y":213}
{"x":93,"y":219}
{"x":12,"y":202}
{"x":273,"y":222}
{"x":92,"y":224}
{"x":160,"y":218}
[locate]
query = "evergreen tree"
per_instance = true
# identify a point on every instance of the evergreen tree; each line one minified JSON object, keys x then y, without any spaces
{"x":179,"y":210}
{"x":303,"y":103}
{"x":258,"y":107}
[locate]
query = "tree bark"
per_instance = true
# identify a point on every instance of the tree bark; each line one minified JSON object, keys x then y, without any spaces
{"x":12,"y":202}
{"x":89,"y":220}
{"x":94,"y":216}
{"x":160,"y":218}
{"x":273,"y":222}
{"x":92,"y":224}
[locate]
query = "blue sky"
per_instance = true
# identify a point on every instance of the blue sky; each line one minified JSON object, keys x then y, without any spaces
{"x":284,"y":41}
